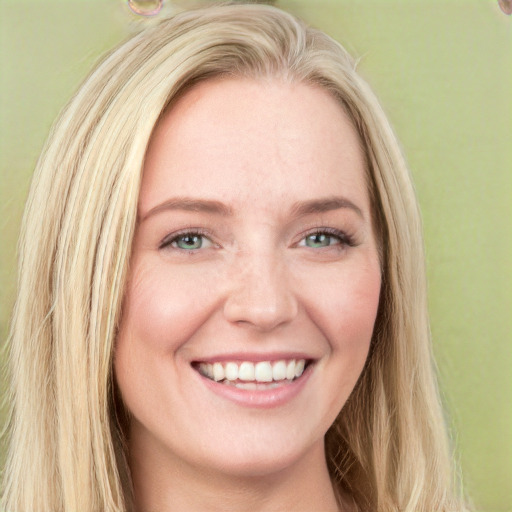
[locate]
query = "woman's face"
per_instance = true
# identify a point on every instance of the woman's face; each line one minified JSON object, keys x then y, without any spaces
{"x":254,"y":279}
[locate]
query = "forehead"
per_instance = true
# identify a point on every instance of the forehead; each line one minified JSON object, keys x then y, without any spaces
{"x":244,"y":140}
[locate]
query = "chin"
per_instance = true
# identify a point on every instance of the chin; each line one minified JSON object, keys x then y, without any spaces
{"x":252,"y":458}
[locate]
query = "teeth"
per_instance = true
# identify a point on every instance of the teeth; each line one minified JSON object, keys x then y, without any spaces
{"x":246,"y":371}
{"x":263,"y":372}
{"x":279,"y":370}
{"x":218,"y":372}
{"x":290,"y":370}
{"x":251,"y":385}
{"x":231,"y":371}
{"x":299,"y":367}
{"x":250,"y":373}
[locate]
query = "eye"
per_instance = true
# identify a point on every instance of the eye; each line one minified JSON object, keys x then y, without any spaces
{"x":325,"y":238}
{"x":190,"y":241}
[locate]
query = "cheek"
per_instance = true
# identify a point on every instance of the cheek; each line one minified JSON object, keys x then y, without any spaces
{"x":351,"y":328}
{"x":357,"y":308}
{"x":163,"y":308}
{"x":346,"y":307}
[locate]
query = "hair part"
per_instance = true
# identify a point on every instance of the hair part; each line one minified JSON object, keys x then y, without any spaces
{"x":388,"y":448}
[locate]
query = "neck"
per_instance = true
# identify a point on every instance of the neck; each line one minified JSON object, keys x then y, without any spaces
{"x":167,"y":484}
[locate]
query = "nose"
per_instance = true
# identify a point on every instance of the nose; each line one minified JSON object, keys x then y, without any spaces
{"x":261,"y":295}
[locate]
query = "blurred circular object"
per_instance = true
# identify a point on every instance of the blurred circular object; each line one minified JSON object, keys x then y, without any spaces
{"x":506,"y":6}
{"x":146,"y":7}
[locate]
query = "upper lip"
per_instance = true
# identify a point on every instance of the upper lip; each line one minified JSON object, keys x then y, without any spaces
{"x":254,"y":357}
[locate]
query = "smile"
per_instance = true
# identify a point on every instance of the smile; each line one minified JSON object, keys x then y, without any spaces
{"x":255,"y":381}
{"x":263,"y":371}
{"x":249,"y":375}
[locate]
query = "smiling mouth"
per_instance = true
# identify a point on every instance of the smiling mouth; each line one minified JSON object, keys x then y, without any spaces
{"x":253,"y":376}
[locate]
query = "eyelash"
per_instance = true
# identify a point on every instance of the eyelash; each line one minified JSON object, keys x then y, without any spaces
{"x":345,"y":240}
{"x":174,"y":237}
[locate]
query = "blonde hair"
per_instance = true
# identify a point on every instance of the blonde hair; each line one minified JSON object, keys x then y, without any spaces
{"x":388,"y":447}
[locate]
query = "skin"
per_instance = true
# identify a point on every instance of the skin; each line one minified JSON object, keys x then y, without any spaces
{"x":261,"y":150}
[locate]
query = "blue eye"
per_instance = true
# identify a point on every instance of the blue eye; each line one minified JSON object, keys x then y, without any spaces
{"x":320,"y":239}
{"x":190,"y":241}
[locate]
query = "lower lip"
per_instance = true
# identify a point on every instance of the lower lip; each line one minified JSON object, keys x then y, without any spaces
{"x":259,"y":398}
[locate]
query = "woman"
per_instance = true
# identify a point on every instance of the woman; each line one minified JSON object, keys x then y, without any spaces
{"x":225,"y":305}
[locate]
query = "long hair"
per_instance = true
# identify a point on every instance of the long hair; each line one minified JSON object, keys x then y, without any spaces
{"x":388,"y":448}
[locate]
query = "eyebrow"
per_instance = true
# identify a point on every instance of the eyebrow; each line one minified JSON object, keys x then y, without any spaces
{"x":324,"y":205}
{"x":299,"y":208}
{"x":191,"y":205}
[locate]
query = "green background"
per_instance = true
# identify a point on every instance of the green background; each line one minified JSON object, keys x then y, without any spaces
{"x":443,"y":71}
